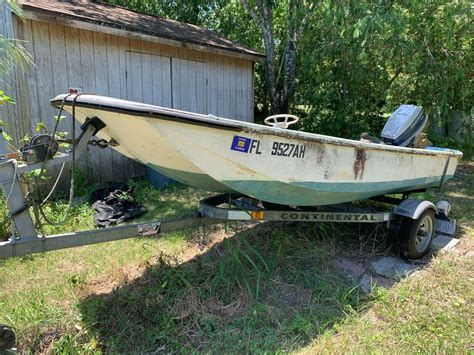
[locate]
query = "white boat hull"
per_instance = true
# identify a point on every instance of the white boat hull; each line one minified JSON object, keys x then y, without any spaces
{"x":271,"y":164}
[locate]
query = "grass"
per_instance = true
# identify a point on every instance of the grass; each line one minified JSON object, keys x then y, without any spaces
{"x":238,"y":288}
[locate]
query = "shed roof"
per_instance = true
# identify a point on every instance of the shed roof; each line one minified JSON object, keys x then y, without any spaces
{"x":103,"y":14}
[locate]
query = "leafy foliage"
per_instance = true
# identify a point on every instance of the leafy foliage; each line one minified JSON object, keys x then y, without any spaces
{"x":356,"y":60}
{"x":365,"y":58}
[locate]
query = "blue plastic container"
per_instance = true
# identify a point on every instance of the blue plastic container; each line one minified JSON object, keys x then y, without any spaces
{"x":156,"y":179}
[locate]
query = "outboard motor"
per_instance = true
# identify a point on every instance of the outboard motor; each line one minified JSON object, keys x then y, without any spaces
{"x":404,"y":126}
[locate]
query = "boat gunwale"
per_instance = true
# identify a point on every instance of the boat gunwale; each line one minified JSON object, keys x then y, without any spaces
{"x":186,"y":117}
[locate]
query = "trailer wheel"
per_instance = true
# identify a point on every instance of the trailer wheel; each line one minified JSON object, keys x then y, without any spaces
{"x":417,"y":235}
{"x":7,"y":338}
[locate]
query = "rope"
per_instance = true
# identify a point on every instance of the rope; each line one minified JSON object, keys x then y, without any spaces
{"x":13,"y":182}
{"x":55,"y":184}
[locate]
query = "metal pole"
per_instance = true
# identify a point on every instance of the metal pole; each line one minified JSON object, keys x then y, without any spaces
{"x":10,"y":185}
{"x":21,"y":247}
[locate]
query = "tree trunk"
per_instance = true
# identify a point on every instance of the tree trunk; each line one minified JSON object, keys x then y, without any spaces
{"x":264,"y":19}
{"x":289,"y":60}
{"x":279,"y":101}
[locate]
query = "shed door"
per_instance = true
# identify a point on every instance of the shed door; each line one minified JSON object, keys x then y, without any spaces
{"x":189,"y":85}
{"x":149,"y":79}
{"x":169,"y":82}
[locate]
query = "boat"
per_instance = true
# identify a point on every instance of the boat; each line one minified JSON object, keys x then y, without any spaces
{"x":269,"y":163}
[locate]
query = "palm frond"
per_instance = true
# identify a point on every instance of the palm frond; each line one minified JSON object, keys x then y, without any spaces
{"x":13,"y":53}
{"x":15,"y":7}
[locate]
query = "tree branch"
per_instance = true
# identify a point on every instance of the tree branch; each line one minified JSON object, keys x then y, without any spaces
{"x":251,"y":12}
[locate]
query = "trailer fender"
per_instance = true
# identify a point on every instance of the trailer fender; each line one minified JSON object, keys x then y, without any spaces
{"x":413,"y":208}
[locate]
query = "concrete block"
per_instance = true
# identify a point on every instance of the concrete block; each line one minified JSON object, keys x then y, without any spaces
{"x":442,"y":242}
{"x":393,"y":268}
{"x":346,"y":266}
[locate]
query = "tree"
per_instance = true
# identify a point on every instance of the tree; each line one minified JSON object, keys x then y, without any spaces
{"x":282,"y":24}
{"x":362,"y":59}
{"x":196,"y":12}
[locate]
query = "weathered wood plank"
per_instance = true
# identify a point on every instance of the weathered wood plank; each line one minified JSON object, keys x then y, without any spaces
{"x":238,"y":91}
{"x":191,"y":78}
{"x":221,"y":110}
{"x":44,"y":72}
{"x":201,"y":87}
{"x":31,"y":78}
{"x":22,"y":95}
{"x":166,"y":84}
{"x":114,"y":79}
{"x":86,"y":43}
{"x":147,"y":78}
{"x":212,"y":69}
{"x":58,"y":62}
{"x":74,"y":71}
{"x":230,"y":110}
{"x":246,"y":87}
{"x":251,"y":92}
{"x":103,"y":156}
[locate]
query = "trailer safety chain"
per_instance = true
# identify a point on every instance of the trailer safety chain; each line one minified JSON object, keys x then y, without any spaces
{"x":101,"y":143}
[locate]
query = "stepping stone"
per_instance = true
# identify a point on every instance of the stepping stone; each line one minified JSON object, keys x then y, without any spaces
{"x":349,"y":267}
{"x":392,"y":268}
{"x":444,"y":243}
{"x":368,"y":282}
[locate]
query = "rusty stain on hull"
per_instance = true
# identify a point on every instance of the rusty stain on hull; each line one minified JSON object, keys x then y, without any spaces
{"x":321,"y":152}
{"x":359,"y":163}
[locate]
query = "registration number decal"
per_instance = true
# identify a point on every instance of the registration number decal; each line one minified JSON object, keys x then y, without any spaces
{"x":281,"y":149}
{"x":288,"y":150}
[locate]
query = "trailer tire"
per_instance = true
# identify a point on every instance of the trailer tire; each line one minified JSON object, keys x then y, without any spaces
{"x":7,"y":338}
{"x":417,"y":235}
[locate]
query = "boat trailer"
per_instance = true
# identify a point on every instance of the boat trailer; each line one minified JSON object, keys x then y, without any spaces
{"x":416,"y":221}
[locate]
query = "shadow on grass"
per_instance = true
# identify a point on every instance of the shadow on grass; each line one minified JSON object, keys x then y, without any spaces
{"x":268,"y":288}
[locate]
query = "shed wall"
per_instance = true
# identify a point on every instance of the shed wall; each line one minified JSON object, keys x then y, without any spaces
{"x":69,"y":57}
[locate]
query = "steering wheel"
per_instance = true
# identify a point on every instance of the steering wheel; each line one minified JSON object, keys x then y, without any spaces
{"x":281,"y":121}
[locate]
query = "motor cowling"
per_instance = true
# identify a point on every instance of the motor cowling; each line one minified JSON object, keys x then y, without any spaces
{"x":404,"y":126}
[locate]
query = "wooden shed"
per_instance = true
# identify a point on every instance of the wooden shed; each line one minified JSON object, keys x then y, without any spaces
{"x":112,"y":51}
